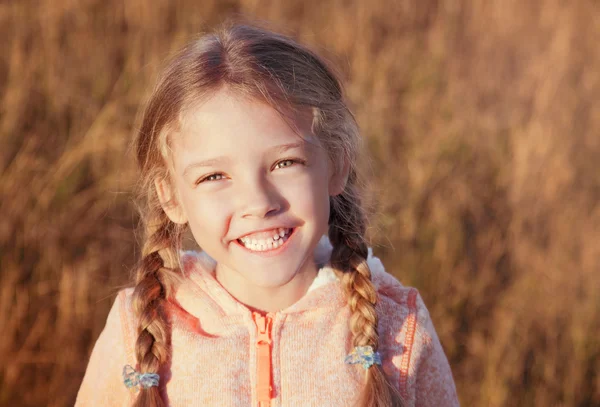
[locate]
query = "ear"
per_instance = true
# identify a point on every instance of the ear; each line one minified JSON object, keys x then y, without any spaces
{"x":168,"y":201}
{"x":339,"y":177}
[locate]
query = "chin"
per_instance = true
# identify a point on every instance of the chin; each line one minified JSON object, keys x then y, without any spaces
{"x":270,"y":276}
{"x":270,"y":281}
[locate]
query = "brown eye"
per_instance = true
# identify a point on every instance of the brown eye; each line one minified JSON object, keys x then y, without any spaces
{"x":211,"y":177}
{"x":289,"y":162}
{"x":285,"y":163}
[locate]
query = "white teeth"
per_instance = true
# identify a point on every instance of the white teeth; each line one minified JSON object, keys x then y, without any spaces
{"x":261,"y":245}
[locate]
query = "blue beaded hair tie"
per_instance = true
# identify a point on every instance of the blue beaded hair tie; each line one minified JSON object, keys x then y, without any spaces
{"x":365,"y":356}
{"x":132,"y":378}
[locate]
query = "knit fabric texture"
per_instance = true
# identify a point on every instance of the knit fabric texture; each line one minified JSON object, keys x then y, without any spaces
{"x":213,"y":337}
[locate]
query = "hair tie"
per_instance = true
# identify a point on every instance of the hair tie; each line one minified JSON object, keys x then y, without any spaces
{"x":365,"y":356}
{"x":133,"y":378}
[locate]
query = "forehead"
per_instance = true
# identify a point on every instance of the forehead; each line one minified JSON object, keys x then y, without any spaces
{"x":229,"y":124}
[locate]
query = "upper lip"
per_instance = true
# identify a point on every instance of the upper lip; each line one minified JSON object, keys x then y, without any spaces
{"x":264,"y":230}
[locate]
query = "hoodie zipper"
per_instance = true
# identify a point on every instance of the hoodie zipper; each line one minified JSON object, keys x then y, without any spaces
{"x":264,"y":323}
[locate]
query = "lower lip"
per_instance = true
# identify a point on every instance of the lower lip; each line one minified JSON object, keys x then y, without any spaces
{"x":272,"y":252}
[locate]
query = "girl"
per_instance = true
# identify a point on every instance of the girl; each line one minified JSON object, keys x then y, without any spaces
{"x":247,"y":141}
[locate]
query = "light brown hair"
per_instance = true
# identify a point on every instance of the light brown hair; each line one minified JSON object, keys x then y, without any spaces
{"x":289,"y":77}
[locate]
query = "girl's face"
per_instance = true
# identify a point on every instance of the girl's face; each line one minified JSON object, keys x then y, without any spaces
{"x":255,"y":194}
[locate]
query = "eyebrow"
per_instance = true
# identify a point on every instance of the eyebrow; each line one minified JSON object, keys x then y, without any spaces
{"x":211,"y":162}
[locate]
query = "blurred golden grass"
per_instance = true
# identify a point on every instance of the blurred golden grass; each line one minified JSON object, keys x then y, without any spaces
{"x":485,"y":138}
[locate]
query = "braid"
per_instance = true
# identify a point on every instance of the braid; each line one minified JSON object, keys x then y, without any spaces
{"x":154,"y":284}
{"x":347,"y":227}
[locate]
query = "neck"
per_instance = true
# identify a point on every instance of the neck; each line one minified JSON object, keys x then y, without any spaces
{"x":268,"y":298}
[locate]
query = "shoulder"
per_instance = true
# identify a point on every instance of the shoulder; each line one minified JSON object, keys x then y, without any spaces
{"x":401,"y":309}
{"x":124,"y":300}
{"x":124,"y":304}
{"x":121,"y":323}
{"x":397,"y":301}
{"x":102,"y":383}
{"x":409,"y":342}
{"x":403,"y":316}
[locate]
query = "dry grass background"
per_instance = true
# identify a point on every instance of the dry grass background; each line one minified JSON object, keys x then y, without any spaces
{"x":484,"y":126}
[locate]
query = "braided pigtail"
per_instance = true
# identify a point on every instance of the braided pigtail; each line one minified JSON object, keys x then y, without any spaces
{"x":155,"y":280}
{"x":349,"y":259}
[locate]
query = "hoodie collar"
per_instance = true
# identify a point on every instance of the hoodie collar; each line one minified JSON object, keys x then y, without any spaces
{"x":202,"y":294}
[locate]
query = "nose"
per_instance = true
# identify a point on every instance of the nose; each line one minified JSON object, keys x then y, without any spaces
{"x":259,"y":199}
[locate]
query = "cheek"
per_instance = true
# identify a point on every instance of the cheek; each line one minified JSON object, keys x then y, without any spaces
{"x":310,"y":198}
{"x":208,"y":218}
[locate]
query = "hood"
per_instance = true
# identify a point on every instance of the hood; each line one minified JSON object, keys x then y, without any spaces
{"x":204,"y":294}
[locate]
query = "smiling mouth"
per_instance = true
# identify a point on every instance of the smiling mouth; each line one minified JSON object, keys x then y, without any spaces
{"x":278,"y":238}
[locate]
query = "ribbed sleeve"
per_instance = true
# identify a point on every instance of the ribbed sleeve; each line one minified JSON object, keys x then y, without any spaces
{"x":103,"y":383}
{"x":434,"y":383}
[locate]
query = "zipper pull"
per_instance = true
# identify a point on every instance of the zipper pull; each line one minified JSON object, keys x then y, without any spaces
{"x":263,"y":358}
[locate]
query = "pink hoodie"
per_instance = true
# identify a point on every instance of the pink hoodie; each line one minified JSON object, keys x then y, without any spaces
{"x":216,"y":360}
